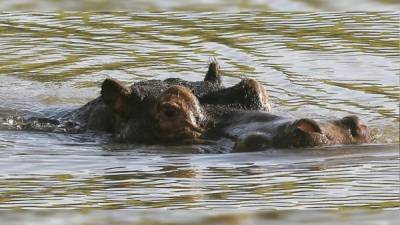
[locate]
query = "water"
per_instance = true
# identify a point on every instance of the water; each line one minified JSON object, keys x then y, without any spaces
{"x":202,"y":5}
{"x":319,"y":65}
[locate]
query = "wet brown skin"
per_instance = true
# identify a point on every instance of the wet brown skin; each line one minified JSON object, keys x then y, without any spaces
{"x":259,"y":130}
{"x":179,"y":115}
{"x":181,"y":119}
{"x":169,"y":111}
{"x":175,"y":117}
{"x":178,"y":111}
{"x":248,"y":94}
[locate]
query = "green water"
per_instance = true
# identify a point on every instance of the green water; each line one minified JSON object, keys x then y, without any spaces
{"x":319,"y":65}
{"x":201,"y":6}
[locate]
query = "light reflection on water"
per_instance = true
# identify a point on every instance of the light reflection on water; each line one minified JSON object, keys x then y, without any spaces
{"x":201,"y":6}
{"x":319,"y":65}
{"x":43,"y":170}
{"x":176,"y":217}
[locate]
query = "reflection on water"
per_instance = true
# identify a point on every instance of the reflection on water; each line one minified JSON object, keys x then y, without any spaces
{"x":312,"y":64}
{"x":95,"y":176}
{"x":320,"y":65}
{"x":209,"y":5}
{"x":176,"y":217}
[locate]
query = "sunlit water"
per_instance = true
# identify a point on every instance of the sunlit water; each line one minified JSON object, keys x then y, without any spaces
{"x":318,"y":65}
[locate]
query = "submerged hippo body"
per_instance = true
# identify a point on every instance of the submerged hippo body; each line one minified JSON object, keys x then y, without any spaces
{"x":255,"y":130}
{"x":173,"y":110}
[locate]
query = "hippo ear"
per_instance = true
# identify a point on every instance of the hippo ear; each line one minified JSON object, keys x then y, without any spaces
{"x":304,"y":133}
{"x":114,"y":94}
{"x":212,"y":74}
{"x":307,"y":126}
{"x":357,"y":128}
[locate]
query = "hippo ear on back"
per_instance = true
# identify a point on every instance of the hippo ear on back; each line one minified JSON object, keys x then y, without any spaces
{"x":115,"y":95}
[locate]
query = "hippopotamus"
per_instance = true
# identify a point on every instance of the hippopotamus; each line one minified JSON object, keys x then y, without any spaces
{"x":177,"y":115}
{"x":168,"y":111}
{"x":257,"y":130}
{"x":175,"y":111}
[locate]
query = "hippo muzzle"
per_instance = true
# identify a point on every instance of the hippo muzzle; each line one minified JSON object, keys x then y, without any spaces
{"x":178,"y":114}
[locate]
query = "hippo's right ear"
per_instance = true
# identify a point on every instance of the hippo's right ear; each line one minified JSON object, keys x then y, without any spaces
{"x":115,"y":95}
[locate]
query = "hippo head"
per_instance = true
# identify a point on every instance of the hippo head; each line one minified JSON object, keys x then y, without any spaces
{"x":305,"y":133}
{"x":178,"y":114}
{"x":308,"y":133}
{"x":141,"y":114}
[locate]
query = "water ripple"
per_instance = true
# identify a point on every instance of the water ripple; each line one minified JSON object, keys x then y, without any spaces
{"x":314,"y":65}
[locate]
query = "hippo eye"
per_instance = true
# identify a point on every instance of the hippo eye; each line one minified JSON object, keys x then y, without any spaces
{"x":170,"y":112}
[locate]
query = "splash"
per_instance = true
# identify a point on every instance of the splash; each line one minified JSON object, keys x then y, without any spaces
{"x":17,"y":122}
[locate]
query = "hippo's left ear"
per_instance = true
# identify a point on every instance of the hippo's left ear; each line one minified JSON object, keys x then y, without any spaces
{"x":357,"y":128}
{"x":307,"y":126}
{"x":114,"y":94}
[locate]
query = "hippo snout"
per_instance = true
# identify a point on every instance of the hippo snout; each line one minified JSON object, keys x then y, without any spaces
{"x":178,"y":114}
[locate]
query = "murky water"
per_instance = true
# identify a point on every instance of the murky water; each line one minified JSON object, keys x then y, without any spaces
{"x":320,"y":65}
{"x":202,"y":5}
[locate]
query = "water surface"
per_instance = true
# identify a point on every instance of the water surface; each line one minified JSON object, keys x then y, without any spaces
{"x":201,"y":6}
{"x":319,"y":65}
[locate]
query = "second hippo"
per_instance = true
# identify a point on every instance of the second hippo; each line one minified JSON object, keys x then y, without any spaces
{"x":255,"y":130}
